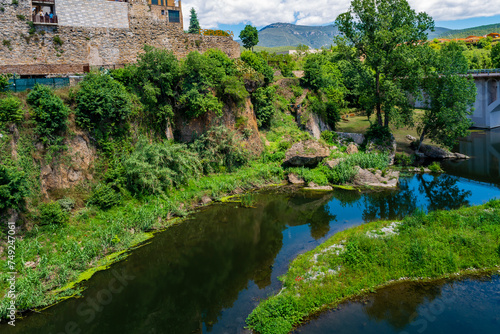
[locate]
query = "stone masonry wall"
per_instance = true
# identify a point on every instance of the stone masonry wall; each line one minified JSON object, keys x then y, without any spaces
{"x":92,"y":45}
{"x":92,"y":13}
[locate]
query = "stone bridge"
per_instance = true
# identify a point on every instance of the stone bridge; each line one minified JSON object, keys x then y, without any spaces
{"x":487,"y":106}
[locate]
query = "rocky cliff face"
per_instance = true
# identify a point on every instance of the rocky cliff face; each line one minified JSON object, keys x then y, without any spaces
{"x":71,"y":171}
{"x":240,"y":119}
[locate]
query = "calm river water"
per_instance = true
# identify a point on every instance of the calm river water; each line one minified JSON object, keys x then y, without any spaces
{"x":207,"y":274}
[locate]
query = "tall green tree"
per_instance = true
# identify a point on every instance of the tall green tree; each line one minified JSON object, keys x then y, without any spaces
{"x":495,"y":55}
{"x":194,"y":25}
{"x":387,"y":35}
{"x":450,"y":94}
{"x":249,"y":37}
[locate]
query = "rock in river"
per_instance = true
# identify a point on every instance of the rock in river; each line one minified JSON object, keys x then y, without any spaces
{"x":365,"y":177}
{"x":306,"y":153}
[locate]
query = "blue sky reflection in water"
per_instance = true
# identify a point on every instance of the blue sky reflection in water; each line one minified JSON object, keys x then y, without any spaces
{"x":207,"y":274}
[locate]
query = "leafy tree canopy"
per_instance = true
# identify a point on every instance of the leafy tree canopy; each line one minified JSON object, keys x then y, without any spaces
{"x":103,"y":106}
{"x":51,"y":114}
{"x":451,"y":95}
{"x":495,"y":55}
{"x":249,"y":37}
{"x":387,"y":35}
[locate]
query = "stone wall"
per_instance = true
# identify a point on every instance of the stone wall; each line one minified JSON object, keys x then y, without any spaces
{"x":92,"y":45}
{"x":92,"y":13}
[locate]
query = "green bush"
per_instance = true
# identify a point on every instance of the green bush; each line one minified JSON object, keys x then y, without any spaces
{"x":221,"y":60}
{"x":274,"y":157}
{"x":11,"y":110}
{"x":103,"y":106}
{"x":13,"y":188}
{"x":379,"y":134}
{"x":219,"y":150}
{"x":329,"y":136}
{"x":402,"y":159}
{"x":367,"y":160}
{"x":51,"y":114}
{"x":202,"y":72}
{"x":259,"y":64}
{"x":66,"y":203}
{"x":155,"y":80}
{"x":263,"y":99}
{"x":196,"y":104}
{"x":52,"y":214}
{"x":4,"y":82}
{"x":435,"y":167}
{"x":233,"y":89}
{"x":104,"y":196}
{"x":155,"y":168}
{"x":317,"y":175}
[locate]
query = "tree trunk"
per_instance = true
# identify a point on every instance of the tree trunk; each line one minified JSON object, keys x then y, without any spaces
{"x":422,"y":136}
{"x":386,"y":119}
{"x":377,"y":97}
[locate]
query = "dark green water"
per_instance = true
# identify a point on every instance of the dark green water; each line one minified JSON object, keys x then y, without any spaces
{"x":207,"y":274}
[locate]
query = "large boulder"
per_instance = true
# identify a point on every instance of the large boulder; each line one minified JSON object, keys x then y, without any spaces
{"x":351,"y":149}
{"x":377,"y":179}
{"x":435,"y":152}
{"x":358,"y":138}
{"x":306,"y":153}
{"x":294,"y":179}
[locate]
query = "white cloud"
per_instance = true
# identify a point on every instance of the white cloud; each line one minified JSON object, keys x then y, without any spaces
{"x":211,"y":13}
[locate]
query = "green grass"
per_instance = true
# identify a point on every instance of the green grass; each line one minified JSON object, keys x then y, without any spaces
{"x":63,"y":253}
{"x":436,"y":245}
{"x":360,"y":123}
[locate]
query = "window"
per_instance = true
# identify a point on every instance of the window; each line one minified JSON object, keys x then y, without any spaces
{"x":174,"y":16}
{"x":162,"y":12}
{"x":154,"y":2}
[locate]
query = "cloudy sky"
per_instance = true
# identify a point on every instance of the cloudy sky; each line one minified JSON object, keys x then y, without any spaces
{"x":234,"y":14}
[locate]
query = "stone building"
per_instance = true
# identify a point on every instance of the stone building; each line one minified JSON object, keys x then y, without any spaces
{"x":61,"y":37}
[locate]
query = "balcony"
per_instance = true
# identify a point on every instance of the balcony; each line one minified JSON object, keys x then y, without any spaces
{"x":45,"y":20}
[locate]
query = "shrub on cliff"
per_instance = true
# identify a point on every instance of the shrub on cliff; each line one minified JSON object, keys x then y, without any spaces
{"x":4,"y":83}
{"x":156,"y":81}
{"x":220,"y":150}
{"x":10,"y":110}
{"x":259,"y":64}
{"x":262,"y":100}
{"x":154,"y":168}
{"x":52,"y":214}
{"x":104,"y":196}
{"x":103,"y":106}
{"x":13,"y":188}
{"x":50,"y":113}
{"x":201,"y":76}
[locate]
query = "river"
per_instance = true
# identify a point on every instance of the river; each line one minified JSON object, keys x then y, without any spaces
{"x":207,"y":274}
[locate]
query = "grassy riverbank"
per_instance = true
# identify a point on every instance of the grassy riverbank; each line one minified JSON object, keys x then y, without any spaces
{"x":358,"y":260}
{"x":58,"y":255}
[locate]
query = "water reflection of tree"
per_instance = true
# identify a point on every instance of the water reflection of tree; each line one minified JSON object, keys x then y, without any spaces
{"x":390,"y":205}
{"x":398,"y":304}
{"x":193,"y":271}
{"x":442,"y":192}
{"x":314,"y":212}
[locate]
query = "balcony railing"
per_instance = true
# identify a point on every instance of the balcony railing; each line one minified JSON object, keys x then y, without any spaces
{"x":44,"y":19}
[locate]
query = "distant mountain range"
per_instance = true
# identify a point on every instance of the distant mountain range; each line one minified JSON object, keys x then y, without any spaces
{"x":287,"y":34}
{"x":283,"y":34}
{"x":475,"y":31}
